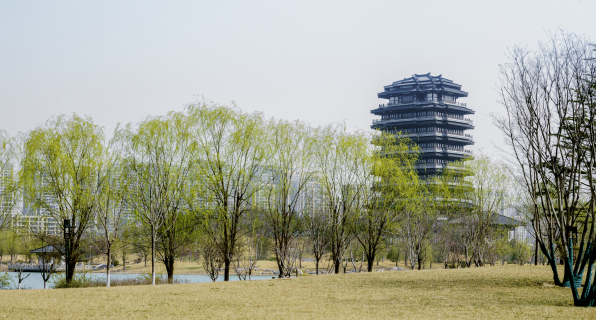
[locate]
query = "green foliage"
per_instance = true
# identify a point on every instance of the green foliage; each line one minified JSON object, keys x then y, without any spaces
{"x":9,"y":190}
{"x":393,"y":254}
{"x":5,"y":281}
{"x":146,"y":277}
{"x":157,"y":157}
{"x":504,"y":249}
{"x":79,"y":280}
{"x":115,"y":263}
{"x":521,"y":251}
{"x":58,"y":173}
{"x":229,"y":162}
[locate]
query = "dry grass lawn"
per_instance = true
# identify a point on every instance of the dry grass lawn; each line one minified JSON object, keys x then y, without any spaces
{"x":479,"y":293}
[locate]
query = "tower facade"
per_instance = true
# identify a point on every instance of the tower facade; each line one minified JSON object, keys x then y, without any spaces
{"x":426,"y":109}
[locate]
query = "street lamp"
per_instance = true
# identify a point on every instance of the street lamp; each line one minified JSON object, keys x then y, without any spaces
{"x":67,"y":233}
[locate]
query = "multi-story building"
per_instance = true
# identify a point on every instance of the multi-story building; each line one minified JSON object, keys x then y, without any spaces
{"x":426,"y":109}
{"x":35,"y":218}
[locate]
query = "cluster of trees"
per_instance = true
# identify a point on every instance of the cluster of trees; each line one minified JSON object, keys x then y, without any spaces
{"x":231,"y":187}
{"x":549,"y":95}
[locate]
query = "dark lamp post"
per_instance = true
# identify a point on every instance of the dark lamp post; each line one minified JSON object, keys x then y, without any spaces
{"x":67,"y":233}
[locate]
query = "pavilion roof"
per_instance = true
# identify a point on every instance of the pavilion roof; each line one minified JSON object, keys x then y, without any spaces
{"x":46,"y":249}
{"x":499,"y":219}
{"x":508,"y":221}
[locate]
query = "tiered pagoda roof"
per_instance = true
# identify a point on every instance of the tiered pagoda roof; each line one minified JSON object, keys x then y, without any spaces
{"x":423,"y":83}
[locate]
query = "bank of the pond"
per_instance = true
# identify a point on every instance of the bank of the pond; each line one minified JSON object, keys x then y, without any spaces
{"x":35,"y":281}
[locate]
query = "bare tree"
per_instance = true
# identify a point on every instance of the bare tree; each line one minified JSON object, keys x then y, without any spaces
{"x":549,"y":126}
{"x":316,"y":225}
{"x":46,"y":269}
{"x":212,"y":260}
{"x":20,"y":278}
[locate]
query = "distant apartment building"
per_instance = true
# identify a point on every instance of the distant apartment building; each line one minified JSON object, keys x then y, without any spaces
{"x":304,"y":195}
{"x":36,"y":218}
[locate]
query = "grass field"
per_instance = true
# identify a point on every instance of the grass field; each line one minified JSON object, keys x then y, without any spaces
{"x":479,"y":293}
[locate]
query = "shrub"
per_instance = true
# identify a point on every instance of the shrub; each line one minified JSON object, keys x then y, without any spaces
{"x":393,"y":254}
{"x":142,"y":279}
{"x":85,"y":280}
{"x":79,"y":280}
{"x":115,"y":263}
{"x":5,"y":281}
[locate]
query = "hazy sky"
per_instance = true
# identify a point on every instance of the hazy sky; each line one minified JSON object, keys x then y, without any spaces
{"x":318,"y":61}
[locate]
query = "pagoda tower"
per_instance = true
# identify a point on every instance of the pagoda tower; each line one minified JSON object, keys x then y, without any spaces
{"x":426,"y":109}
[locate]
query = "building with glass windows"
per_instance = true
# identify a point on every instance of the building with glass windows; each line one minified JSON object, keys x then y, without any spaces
{"x":427,"y":110}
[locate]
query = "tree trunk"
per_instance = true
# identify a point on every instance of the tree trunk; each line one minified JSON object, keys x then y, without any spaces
{"x":169,"y":263}
{"x":317,"y":265}
{"x":370,"y":260}
{"x":280,"y":263}
{"x":336,"y":264}
{"x":71,"y":269}
{"x":108,"y":267}
{"x":226,"y":269}
{"x":468,"y":260}
{"x":152,"y":254}
{"x":535,"y":254}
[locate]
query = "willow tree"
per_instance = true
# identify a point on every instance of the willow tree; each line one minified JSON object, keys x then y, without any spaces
{"x":341,"y":173}
{"x":474,"y":195}
{"x":59,"y":171}
{"x":389,"y":176}
{"x":418,"y":221}
{"x":111,"y":209}
{"x":9,"y":190}
{"x":157,"y":165}
{"x":490,"y":184}
{"x":230,"y":158}
{"x":289,"y":170}
{"x":316,"y":223}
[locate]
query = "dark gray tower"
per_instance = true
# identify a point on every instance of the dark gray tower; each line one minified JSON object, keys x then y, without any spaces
{"x":426,"y":109}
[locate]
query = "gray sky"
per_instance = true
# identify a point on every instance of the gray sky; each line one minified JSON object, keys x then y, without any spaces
{"x":318,"y":61}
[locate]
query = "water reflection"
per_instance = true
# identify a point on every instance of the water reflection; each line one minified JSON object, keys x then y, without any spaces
{"x":34,"y":281}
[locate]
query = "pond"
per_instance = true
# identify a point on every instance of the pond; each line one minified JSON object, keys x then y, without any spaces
{"x":34,"y":281}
